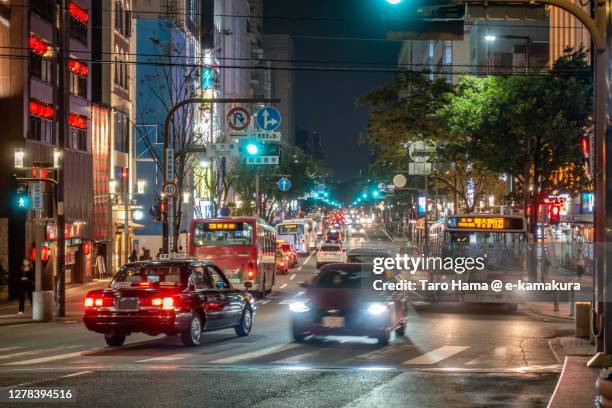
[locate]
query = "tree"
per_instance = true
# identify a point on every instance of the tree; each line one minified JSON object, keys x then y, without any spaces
{"x":533,"y":122}
{"x":167,"y":83}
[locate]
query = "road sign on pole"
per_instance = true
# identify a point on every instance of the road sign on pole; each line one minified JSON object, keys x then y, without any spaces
{"x":260,"y":136}
{"x":222,"y":149}
{"x":262,"y":160}
{"x":399,"y":180}
{"x":238,"y":118}
{"x":169,"y":164}
{"x":37,"y":196}
{"x":284,"y":184}
{"x":169,"y":189}
{"x":269,"y":119}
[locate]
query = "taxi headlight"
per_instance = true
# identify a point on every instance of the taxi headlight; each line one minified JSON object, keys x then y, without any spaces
{"x":299,"y":307}
{"x":376,"y":309}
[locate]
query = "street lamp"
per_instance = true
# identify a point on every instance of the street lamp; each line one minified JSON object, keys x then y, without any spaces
{"x":57,"y":155}
{"x":19,"y":156}
{"x":492,"y":38}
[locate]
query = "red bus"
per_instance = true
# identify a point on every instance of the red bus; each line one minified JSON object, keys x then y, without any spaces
{"x":244,"y":247}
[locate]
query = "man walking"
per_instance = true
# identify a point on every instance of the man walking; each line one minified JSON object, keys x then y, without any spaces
{"x":25,"y":284}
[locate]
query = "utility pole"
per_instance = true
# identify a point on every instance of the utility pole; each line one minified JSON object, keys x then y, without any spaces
{"x":63,"y":108}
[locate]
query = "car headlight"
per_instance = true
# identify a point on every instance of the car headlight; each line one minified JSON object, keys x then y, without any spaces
{"x":299,"y":307}
{"x":376,"y":309}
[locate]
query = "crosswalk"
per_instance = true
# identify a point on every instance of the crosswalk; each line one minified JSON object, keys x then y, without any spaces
{"x":404,"y":355}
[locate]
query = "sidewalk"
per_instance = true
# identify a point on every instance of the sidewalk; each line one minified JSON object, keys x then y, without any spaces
{"x":576,"y":385}
{"x":74,"y":298}
{"x":546,"y":309}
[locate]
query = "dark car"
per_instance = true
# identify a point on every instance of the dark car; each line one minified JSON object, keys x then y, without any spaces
{"x":340,"y":302}
{"x":171,"y":297}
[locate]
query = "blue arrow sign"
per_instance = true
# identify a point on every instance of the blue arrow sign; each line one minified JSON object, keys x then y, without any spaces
{"x":284,"y":184}
{"x":269,"y":119}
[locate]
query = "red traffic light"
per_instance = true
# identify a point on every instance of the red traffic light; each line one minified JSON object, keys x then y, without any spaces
{"x":554,"y":212}
{"x":39,"y":173}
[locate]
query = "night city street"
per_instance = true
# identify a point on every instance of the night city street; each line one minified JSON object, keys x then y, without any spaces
{"x":306,"y":203}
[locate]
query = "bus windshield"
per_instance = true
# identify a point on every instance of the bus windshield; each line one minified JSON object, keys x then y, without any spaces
{"x":287,"y":229}
{"x":222,"y":234}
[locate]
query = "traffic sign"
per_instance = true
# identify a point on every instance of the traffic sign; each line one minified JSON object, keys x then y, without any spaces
{"x":399,"y":180}
{"x":262,"y":160}
{"x":238,"y":118}
{"x":269,"y":119}
{"x":37,"y":196}
{"x":222,"y":149}
{"x":169,"y":164}
{"x":261,"y":136}
{"x":284,"y":184}
{"x":169,"y":189}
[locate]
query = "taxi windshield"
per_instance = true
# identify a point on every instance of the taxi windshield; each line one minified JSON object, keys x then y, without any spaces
{"x":149,"y":275}
{"x":222,"y":234}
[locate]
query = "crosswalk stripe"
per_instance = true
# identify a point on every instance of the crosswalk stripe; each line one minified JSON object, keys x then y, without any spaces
{"x":9,"y":348}
{"x":171,"y":357}
{"x":437,"y":355}
{"x":496,"y":353}
{"x":21,"y":353}
{"x":294,"y":359}
{"x":255,"y":354}
{"x":46,"y":359}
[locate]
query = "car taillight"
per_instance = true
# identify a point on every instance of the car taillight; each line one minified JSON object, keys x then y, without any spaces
{"x":250,"y":275}
{"x":144,"y":284}
{"x":282,"y":264}
{"x":166,"y":303}
{"x":89,"y":302}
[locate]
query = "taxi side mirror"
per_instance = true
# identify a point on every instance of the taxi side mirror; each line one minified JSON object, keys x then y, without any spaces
{"x":248,"y":284}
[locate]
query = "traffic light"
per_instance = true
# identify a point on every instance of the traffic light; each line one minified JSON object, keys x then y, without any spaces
{"x":258,"y":152}
{"x":22,"y":199}
{"x":554,"y":213}
{"x":252,"y":149}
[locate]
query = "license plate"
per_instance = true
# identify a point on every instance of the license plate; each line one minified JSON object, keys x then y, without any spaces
{"x":333,"y":321}
{"x":128,"y":304}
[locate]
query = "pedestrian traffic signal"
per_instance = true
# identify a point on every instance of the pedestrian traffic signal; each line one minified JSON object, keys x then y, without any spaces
{"x":22,"y":199}
{"x":554,"y":213}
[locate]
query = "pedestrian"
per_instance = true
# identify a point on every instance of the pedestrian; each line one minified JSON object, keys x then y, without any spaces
{"x":580,"y":267}
{"x":143,"y":256}
{"x":25,"y":284}
{"x":161,"y":251}
{"x":133,"y":256}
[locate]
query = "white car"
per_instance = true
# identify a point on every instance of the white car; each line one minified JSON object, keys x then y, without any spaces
{"x":330,"y":253}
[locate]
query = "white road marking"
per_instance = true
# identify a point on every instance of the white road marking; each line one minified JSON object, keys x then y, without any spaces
{"x":76,"y":374}
{"x":265,"y":302}
{"x":171,"y":357}
{"x":292,"y":276}
{"x":497,"y":352}
{"x":22,"y":353}
{"x":437,"y":355}
{"x":255,"y":354}
{"x":305,"y":262}
{"x":46,"y":359}
{"x":294,"y":359}
{"x":9,"y":348}
{"x":283,"y":286}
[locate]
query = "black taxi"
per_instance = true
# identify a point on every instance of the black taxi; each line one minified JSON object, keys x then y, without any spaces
{"x":168,"y":296}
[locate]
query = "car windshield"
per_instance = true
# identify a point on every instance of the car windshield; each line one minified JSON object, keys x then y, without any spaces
{"x":222,"y":234}
{"x":150,"y":275}
{"x":338,"y":279}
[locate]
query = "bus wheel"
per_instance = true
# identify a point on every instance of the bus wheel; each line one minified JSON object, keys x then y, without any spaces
{"x":512,"y":307}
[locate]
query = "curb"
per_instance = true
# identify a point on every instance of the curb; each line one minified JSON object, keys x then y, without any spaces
{"x":537,"y":312}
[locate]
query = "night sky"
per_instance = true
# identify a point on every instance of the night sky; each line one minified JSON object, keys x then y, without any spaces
{"x":335,"y":33}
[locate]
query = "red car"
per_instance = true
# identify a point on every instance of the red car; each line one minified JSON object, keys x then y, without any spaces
{"x":340,"y":302}
{"x":290,"y":253}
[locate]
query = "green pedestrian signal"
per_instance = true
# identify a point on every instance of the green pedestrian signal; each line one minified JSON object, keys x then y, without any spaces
{"x":22,"y":199}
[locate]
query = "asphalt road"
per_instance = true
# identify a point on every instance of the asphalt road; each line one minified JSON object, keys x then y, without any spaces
{"x":453,"y":355}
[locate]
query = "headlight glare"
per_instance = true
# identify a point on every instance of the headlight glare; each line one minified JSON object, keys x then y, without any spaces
{"x":299,"y":307}
{"x":376,"y":309}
